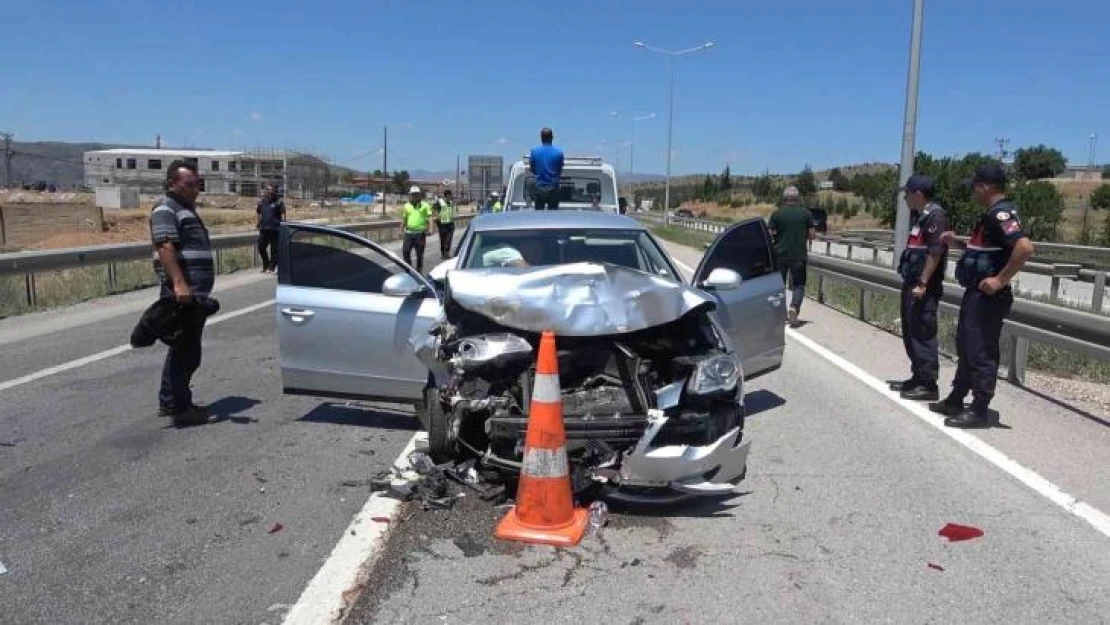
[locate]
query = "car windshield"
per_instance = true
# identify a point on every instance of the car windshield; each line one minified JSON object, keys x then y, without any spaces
{"x":634,"y":249}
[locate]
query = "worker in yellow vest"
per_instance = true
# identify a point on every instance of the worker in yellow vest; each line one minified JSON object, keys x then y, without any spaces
{"x":416,"y":221}
{"x":444,"y":212}
{"x":495,"y":202}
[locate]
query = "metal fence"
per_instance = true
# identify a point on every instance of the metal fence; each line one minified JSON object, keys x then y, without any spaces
{"x":29,"y":265}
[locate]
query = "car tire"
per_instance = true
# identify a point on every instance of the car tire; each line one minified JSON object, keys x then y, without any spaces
{"x":441,"y":447}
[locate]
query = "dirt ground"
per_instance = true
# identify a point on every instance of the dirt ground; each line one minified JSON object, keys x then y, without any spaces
{"x":223,"y":214}
{"x":715,"y":210}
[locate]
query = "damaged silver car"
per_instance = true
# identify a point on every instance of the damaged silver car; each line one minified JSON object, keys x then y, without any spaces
{"x":651,"y":367}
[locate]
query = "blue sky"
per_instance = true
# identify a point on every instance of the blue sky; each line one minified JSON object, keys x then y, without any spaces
{"x":789,"y":82}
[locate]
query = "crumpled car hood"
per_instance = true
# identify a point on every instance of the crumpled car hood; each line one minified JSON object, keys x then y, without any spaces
{"x":580,"y":299}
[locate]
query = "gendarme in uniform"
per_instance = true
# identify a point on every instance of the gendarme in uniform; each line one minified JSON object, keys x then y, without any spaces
{"x":445,"y":223}
{"x":921,"y":294}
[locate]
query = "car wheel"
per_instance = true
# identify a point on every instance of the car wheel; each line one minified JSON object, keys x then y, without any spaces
{"x":441,"y":447}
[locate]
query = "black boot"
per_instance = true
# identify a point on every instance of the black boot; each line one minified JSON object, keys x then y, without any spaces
{"x":970,"y":418}
{"x":922,"y":392}
{"x":905,"y":385}
{"x":949,"y":407}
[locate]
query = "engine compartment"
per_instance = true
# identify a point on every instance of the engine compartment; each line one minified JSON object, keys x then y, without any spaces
{"x":614,"y":388}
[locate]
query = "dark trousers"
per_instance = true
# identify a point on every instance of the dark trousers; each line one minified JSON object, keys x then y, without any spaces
{"x":182,"y":361}
{"x":977,"y":337}
{"x":547,"y":199}
{"x":446,"y":233}
{"x":919,"y":334}
{"x":797,"y":284}
{"x":267,"y":244}
{"x":414,"y":241}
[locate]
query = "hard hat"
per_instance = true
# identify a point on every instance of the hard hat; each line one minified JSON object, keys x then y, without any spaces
{"x":414,"y":189}
{"x":494,"y":194}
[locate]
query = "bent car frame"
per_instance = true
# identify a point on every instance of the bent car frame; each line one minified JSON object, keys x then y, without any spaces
{"x":651,"y":366}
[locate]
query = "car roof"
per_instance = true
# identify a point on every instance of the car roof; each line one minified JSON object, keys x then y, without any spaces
{"x":553,"y":220}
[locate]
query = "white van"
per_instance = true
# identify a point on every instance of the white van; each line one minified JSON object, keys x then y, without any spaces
{"x":582,"y":178}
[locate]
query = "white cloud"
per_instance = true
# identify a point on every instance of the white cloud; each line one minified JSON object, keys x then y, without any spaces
{"x":502,"y":141}
{"x":256,"y":116}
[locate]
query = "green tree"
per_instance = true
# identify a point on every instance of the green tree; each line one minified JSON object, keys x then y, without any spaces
{"x":806,"y":182}
{"x":842,"y":206}
{"x":708,"y":188}
{"x":401,"y":181}
{"x":1039,"y":162}
{"x":726,"y":179}
{"x":1106,"y":172}
{"x":839,"y":180}
{"x":1100,"y":199}
{"x":1040,"y":205}
{"x":763,"y":188}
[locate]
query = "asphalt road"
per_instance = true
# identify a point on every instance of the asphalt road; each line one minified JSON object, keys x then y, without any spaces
{"x":108,"y":515}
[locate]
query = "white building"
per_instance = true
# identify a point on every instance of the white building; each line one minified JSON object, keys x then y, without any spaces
{"x":222,"y":171}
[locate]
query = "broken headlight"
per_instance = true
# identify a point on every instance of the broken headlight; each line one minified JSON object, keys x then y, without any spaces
{"x":715,"y":374}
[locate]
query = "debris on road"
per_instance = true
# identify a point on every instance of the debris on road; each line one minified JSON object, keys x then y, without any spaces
{"x":955,"y":532}
{"x":598,"y":516}
{"x":430,"y":483}
{"x":380,"y":519}
{"x":3,"y":569}
{"x":936,"y":567}
{"x":277,"y":527}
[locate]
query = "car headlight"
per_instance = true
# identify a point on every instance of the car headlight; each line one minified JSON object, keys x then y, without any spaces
{"x":718,"y":373}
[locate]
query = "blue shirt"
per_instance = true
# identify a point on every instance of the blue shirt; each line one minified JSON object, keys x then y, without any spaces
{"x":546,"y":162}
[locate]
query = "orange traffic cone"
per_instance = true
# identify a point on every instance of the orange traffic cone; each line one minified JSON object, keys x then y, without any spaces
{"x":544,"y":511}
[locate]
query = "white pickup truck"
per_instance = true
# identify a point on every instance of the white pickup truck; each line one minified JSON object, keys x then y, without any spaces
{"x":582,"y":179}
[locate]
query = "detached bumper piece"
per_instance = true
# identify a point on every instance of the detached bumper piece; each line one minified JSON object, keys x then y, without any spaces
{"x":711,"y":469}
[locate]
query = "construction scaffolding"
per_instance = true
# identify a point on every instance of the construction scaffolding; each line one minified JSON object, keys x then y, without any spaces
{"x":300,"y":175}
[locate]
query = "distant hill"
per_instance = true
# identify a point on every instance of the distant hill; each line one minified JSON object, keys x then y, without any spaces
{"x":52,"y":162}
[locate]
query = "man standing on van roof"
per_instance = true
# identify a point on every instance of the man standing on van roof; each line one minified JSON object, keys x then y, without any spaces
{"x":792,"y":228}
{"x":546,"y":163}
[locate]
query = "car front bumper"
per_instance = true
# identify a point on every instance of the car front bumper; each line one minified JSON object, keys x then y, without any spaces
{"x":712,"y":469}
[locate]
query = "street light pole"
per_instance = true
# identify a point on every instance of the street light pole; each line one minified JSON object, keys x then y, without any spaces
{"x":909,"y":131}
{"x":671,"y":54}
{"x":632,"y":149}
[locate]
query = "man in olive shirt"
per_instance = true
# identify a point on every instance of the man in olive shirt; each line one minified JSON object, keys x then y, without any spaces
{"x":416,"y":219}
{"x":792,"y":228}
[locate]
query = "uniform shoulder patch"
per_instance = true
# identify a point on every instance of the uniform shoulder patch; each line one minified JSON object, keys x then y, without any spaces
{"x":1002,"y":215}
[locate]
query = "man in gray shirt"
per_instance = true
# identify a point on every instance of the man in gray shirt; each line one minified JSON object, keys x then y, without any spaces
{"x":185,"y":265}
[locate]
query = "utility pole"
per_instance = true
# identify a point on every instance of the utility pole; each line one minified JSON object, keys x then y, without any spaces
{"x":385,"y":164}
{"x":7,"y":159}
{"x":456,"y":178}
{"x":909,"y":132}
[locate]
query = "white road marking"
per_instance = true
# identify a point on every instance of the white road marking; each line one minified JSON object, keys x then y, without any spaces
{"x":1098,"y":519}
{"x":115,"y":351}
{"x":1095,"y":517}
{"x":329,"y":594}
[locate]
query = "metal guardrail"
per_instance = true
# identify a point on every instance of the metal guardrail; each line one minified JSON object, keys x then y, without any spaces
{"x":28,"y":264}
{"x":1067,"y":329}
{"x":880,"y":241}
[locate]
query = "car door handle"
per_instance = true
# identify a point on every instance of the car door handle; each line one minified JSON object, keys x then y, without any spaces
{"x":297,"y":316}
{"x":777,"y":299}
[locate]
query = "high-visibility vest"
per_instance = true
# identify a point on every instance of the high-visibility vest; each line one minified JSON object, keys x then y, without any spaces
{"x":497,"y":206}
{"x":446,"y":212}
{"x":416,"y":217}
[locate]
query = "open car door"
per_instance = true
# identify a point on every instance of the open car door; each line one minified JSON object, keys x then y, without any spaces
{"x":752,"y":311}
{"x":346,"y":309}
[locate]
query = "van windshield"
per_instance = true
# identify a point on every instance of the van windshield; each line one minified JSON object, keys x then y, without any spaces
{"x":575,"y":187}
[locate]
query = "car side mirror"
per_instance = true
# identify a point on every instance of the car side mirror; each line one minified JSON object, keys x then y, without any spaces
{"x":721,"y":279}
{"x":401,"y":285}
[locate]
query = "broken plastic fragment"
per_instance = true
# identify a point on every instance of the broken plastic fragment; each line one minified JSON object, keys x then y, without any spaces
{"x":2,"y":569}
{"x":955,"y":532}
{"x":380,"y":519}
{"x":936,"y":567}
{"x":277,"y":527}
